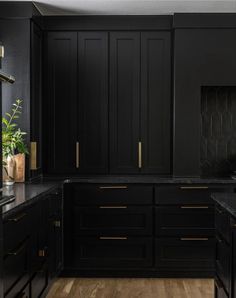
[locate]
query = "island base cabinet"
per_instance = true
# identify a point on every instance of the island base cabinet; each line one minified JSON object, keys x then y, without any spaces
{"x":186,"y":252}
{"x":112,"y":252}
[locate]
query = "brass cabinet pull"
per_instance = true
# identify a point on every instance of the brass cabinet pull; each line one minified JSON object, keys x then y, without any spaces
{"x":114,"y":187}
{"x":41,"y":253}
{"x":57,"y":223}
{"x":113,"y":238}
{"x":140,"y":155}
{"x":77,"y":155}
{"x":18,"y":218}
{"x":18,"y":251}
{"x":194,"y":187}
{"x":1,"y":51}
{"x":33,"y":156}
{"x":113,"y":207}
{"x":194,"y":207}
{"x":194,"y":239}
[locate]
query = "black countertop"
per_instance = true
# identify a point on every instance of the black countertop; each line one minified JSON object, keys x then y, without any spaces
{"x":147,"y":179}
{"x":25,"y":194}
{"x":226,"y":201}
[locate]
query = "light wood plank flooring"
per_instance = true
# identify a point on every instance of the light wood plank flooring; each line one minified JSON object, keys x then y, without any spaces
{"x":131,"y":288}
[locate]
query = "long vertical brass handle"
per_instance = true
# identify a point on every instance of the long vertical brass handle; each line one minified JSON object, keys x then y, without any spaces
{"x":140,"y":155}
{"x":77,"y":155}
{"x":33,"y":155}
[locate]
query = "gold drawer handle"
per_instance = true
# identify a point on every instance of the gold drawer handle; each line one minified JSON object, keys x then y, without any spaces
{"x":57,"y":223}
{"x":194,"y":239}
{"x":194,"y":207}
{"x":114,"y":187}
{"x":113,"y":238}
{"x":33,"y":156}
{"x":194,"y":187}
{"x":18,"y":218}
{"x":113,"y":207}
{"x":18,"y":251}
{"x":41,"y":253}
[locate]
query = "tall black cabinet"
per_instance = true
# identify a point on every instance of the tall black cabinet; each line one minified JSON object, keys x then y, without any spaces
{"x":107,"y":102}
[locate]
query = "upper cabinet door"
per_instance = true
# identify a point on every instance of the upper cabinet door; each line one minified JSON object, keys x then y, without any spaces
{"x":124,"y":101}
{"x":92,"y":120}
{"x":60,"y":103}
{"x":155,"y":101}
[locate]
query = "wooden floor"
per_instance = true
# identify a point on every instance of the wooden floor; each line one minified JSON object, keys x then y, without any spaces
{"x":131,"y":288}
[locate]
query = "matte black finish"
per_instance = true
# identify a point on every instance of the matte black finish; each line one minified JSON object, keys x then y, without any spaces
{"x":202,"y":57}
{"x":60,"y":103}
{"x":124,"y":101}
{"x":92,"y":114}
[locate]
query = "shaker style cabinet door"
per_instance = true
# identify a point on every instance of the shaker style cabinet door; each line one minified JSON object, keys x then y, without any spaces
{"x":60,"y":103}
{"x":155,"y":102}
{"x":124,"y":101}
{"x":92,"y":112}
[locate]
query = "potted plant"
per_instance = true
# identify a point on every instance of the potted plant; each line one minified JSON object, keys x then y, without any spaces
{"x":12,"y":142}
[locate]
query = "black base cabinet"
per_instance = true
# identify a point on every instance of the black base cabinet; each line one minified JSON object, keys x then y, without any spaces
{"x":33,"y":247}
{"x":139,"y":230}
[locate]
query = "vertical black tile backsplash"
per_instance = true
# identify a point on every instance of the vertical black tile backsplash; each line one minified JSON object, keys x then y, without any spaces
{"x":218,"y":130}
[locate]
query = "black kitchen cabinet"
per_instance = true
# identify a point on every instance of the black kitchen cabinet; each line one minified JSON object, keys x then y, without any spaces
{"x":33,"y":247}
{"x":92,"y":112}
{"x":155,"y":102}
{"x":60,"y":103}
{"x":140,"y":79}
{"x":124,"y":101}
{"x":36,"y":100}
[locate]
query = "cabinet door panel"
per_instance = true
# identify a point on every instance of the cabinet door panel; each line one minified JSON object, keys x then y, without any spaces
{"x":93,"y":102}
{"x":124,"y":101}
{"x":155,"y":101}
{"x":60,"y":103}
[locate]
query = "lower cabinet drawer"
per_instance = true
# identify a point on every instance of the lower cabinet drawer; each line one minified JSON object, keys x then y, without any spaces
{"x":39,"y":282}
{"x":185,"y":220}
{"x":15,"y":267}
{"x":223,"y":262}
{"x":185,"y":253}
{"x":113,"y":252}
{"x":113,"y":220}
{"x":219,"y":290}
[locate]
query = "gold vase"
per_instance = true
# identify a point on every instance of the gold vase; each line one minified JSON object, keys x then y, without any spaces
{"x":9,"y":169}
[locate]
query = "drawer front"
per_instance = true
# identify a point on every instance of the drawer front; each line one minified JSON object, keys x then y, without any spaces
{"x":219,"y":290}
{"x":16,"y":267}
{"x":39,"y":282}
{"x":187,"y":194}
{"x":223,"y":262}
{"x":112,"y":252}
{"x":15,"y":229}
{"x":185,"y":253}
{"x":222,"y":223}
{"x":113,"y":220}
{"x":184,"y":220}
{"x":97,"y":194}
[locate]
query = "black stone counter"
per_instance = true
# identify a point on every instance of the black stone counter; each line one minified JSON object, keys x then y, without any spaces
{"x":25,"y":194}
{"x":150,"y":180}
{"x":226,"y":201}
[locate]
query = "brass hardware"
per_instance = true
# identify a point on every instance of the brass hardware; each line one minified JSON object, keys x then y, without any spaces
{"x":16,"y":252}
{"x":33,"y":155}
{"x":57,"y":223}
{"x":140,"y":155}
{"x":1,"y":51}
{"x":194,"y":207}
{"x":114,"y":187}
{"x":194,"y":187}
{"x":194,"y":239}
{"x":113,"y":238}
{"x":77,"y":155}
{"x":41,"y":253}
{"x":18,"y":218}
{"x":113,"y":207}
